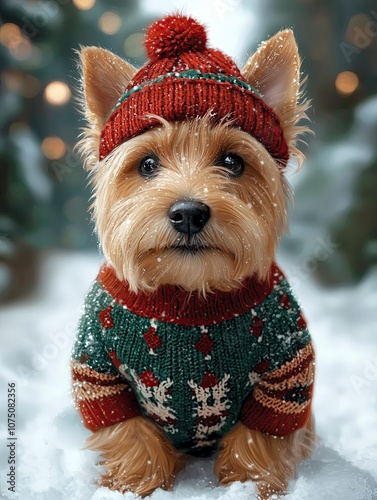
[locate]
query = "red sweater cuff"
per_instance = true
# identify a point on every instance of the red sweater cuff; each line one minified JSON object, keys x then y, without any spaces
{"x":102,"y":399}
{"x":281,"y":402}
{"x":269,"y":421}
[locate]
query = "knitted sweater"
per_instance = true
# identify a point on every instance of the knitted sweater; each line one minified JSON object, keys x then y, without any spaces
{"x":195,"y":366}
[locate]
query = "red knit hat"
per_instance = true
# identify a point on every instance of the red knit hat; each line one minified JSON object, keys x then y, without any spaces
{"x":183,"y":80}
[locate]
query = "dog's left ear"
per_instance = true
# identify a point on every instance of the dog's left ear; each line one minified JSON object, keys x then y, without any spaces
{"x":274,"y":70}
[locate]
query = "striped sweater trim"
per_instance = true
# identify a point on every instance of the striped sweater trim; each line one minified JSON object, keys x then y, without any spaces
{"x":301,"y":378}
{"x":292,"y":367}
{"x":102,"y":399}
{"x":276,"y":404}
{"x":281,"y":402}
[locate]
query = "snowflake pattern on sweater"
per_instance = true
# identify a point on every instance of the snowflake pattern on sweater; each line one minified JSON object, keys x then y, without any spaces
{"x":195,"y":366}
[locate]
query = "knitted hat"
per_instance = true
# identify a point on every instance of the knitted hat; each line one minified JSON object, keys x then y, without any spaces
{"x":184,"y":79}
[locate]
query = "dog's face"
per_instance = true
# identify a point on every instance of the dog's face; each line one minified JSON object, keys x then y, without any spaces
{"x":192,"y":203}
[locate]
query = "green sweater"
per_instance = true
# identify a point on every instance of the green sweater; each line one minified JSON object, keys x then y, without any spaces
{"x":195,"y":366}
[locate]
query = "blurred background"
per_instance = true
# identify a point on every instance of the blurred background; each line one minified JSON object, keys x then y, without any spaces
{"x":44,"y":193}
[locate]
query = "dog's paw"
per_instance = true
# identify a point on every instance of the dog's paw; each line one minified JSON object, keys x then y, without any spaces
{"x":248,"y":455}
{"x":136,"y":456}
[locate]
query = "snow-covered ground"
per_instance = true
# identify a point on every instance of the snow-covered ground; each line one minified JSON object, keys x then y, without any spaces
{"x":36,"y":337}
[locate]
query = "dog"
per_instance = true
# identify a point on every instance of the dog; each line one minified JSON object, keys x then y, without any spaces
{"x":191,"y":341}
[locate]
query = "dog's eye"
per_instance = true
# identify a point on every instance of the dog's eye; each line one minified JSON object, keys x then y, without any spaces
{"x":149,"y":166}
{"x":233,"y":163}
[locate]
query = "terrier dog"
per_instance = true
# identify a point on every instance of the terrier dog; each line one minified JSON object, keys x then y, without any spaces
{"x":191,"y":340}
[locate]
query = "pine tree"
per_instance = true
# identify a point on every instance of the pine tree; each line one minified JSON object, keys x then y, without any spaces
{"x":44,"y":197}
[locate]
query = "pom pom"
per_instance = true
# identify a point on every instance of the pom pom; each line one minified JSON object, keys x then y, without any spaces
{"x":174,"y":35}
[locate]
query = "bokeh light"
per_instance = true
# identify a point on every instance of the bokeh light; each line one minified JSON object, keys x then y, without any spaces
{"x":12,"y":81}
{"x":24,"y":51}
{"x":109,"y":23}
{"x":10,"y":35}
{"x":346,"y":82}
{"x":83,"y":4}
{"x":357,"y":32}
{"x":25,"y":85}
{"x":134,"y":45}
{"x":14,"y":40}
{"x":57,"y":93}
{"x":30,"y":86}
{"x":53,"y":147}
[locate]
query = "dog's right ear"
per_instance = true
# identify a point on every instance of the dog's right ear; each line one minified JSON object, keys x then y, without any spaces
{"x":105,"y":77}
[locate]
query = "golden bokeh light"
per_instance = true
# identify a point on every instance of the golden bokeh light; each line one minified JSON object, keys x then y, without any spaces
{"x":53,"y":147}
{"x":83,"y":4}
{"x":25,"y":85}
{"x":109,"y":23}
{"x":30,"y":86}
{"x":346,"y":82}
{"x":12,"y":80}
{"x":10,"y":35}
{"x":57,"y":93}
{"x":23,"y":51}
{"x":14,"y":40}
{"x":133,"y":45}
{"x":358,"y":31}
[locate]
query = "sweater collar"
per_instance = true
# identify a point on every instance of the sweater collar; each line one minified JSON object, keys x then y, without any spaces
{"x":170,"y":304}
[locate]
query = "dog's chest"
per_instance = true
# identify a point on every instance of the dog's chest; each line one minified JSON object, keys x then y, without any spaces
{"x":190,"y":380}
{"x":193,"y":375}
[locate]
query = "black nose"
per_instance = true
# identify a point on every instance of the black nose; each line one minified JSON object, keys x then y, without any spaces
{"x":188,"y":217}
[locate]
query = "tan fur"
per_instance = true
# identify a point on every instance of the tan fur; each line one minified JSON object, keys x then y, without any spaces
{"x":248,"y":214}
{"x":248,"y":217}
{"x":269,"y":461}
{"x":104,"y":79}
{"x":137,"y":457}
{"x":274,"y":70}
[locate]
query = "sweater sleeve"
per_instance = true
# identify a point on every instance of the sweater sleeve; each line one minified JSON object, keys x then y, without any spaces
{"x":101,"y":394}
{"x":280,"y":402}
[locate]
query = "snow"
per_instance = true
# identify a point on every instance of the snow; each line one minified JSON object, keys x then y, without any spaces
{"x":36,"y":338}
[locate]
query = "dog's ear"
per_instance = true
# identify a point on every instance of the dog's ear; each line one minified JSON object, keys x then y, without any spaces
{"x":274,"y":70}
{"x":105,"y":77}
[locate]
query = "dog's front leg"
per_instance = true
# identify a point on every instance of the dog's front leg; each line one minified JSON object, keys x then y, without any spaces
{"x":270,"y":461}
{"x":136,"y":456}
